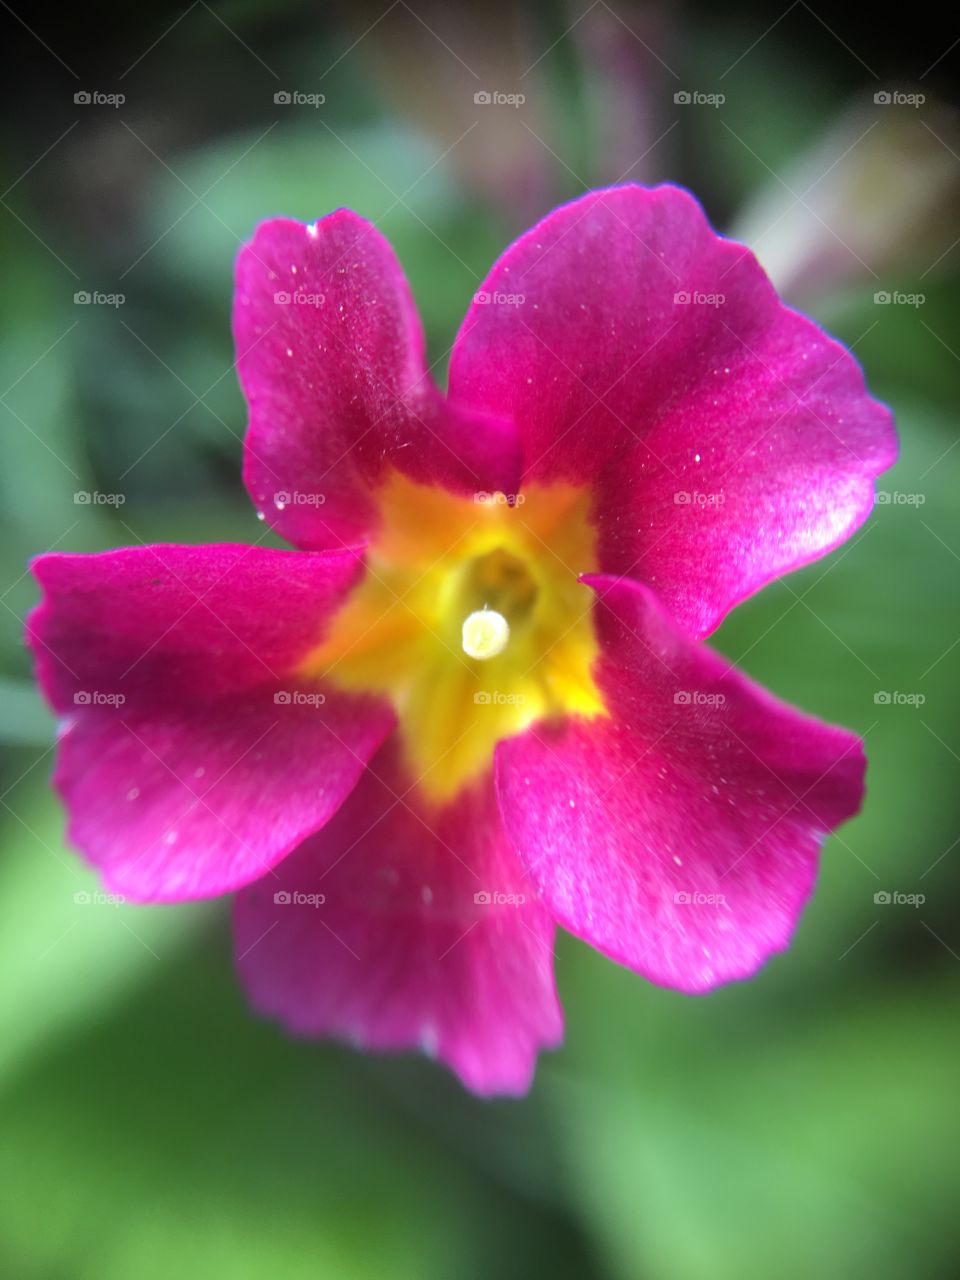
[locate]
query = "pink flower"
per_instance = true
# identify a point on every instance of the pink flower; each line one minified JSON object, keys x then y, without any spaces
{"x":473,"y":703}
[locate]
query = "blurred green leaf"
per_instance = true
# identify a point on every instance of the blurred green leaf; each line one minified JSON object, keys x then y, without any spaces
{"x":23,"y":717}
{"x":386,"y":173}
{"x":701,"y":1148}
{"x":76,"y":951}
{"x":183,"y":1135}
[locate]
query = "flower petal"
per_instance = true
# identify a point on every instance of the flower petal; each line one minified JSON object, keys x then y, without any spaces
{"x":194,"y":621}
{"x":400,"y":953}
{"x":680,"y":835}
{"x":728,"y":438}
{"x":330,"y":354}
{"x":189,"y":760}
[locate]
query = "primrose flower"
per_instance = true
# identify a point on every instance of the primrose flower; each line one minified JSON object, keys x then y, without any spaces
{"x":473,"y":703}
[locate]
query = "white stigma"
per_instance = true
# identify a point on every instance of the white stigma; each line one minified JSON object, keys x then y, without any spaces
{"x":485,"y":634}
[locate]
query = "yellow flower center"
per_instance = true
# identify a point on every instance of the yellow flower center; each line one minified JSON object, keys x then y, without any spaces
{"x":470,"y":619}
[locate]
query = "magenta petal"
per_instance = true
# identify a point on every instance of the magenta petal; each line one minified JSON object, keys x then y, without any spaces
{"x":680,"y":835}
{"x":330,"y":354}
{"x":728,"y":441}
{"x":190,"y":759}
{"x":173,"y":620}
{"x":397,"y":927}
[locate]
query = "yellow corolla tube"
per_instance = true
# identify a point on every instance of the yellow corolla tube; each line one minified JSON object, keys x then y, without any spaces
{"x":471,"y":620}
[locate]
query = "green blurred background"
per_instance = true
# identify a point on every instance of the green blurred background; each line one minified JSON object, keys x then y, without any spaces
{"x":801,"y":1124}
